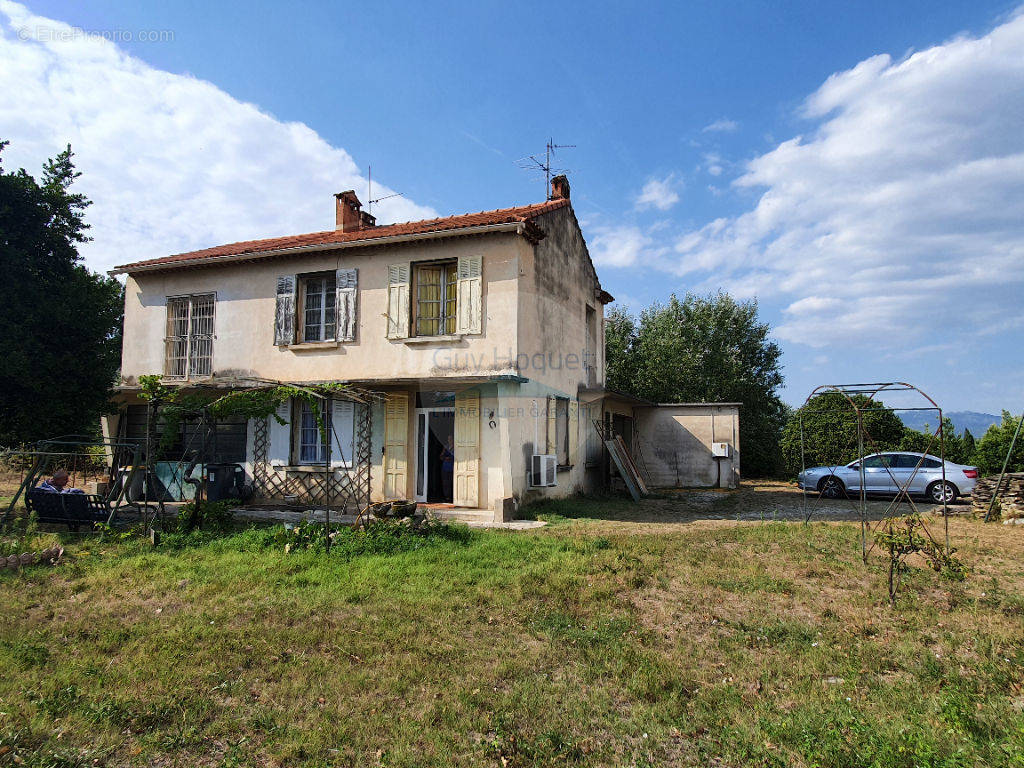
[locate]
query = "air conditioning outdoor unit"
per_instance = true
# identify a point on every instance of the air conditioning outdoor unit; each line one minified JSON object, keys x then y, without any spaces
{"x":720,"y":450}
{"x":543,"y":470}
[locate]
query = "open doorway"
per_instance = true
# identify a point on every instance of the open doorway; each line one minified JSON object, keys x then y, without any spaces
{"x":435,"y":455}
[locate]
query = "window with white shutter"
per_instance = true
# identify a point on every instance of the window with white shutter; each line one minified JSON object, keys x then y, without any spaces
{"x":447,"y":297}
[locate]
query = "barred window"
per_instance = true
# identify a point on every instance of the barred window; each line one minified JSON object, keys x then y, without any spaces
{"x":436,"y":298}
{"x":189,"y":340}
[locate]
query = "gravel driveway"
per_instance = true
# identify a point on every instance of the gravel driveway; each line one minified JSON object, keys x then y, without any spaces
{"x":765,"y":500}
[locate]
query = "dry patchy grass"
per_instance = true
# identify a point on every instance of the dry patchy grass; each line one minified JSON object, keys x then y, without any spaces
{"x":595,"y":641}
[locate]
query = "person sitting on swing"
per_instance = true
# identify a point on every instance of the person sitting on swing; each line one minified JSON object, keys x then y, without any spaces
{"x":58,"y":483}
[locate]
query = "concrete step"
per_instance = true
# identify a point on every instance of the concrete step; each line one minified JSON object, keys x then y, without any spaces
{"x":460,"y":514}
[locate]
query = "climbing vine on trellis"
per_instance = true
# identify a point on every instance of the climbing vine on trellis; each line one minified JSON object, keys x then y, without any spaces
{"x":175,"y":405}
{"x":172,"y":405}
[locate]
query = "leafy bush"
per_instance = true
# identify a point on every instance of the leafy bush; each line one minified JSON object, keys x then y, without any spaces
{"x":215,"y":515}
{"x":382,"y":537}
{"x":990,"y":449}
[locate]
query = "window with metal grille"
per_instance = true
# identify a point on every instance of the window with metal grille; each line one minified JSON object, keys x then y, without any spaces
{"x":319,"y":313}
{"x":436,"y":298}
{"x":189,"y":340}
{"x":312,"y":445}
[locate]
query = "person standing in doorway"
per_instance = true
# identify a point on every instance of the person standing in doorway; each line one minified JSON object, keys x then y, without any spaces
{"x":448,"y":468}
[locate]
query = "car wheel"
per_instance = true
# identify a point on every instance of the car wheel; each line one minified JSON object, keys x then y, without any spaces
{"x":831,"y":487}
{"x":942,"y":492}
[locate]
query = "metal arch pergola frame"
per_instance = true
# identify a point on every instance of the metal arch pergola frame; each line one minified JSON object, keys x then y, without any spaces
{"x":871,"y":391}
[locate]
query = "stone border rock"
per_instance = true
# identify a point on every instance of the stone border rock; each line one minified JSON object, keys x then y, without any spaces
{"x":48,"y":556}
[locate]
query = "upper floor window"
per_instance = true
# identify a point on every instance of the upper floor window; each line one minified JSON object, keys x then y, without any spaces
{"x":318,"y":307}
{"x":189,"y":340}
{"x":436,"y":298}
{"x":318,"y":294}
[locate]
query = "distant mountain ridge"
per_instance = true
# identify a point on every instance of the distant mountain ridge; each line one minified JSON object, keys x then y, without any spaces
{"x":978,"y":423}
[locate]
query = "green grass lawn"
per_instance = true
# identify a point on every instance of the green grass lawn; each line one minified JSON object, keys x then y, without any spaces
{"x":588,"y":642}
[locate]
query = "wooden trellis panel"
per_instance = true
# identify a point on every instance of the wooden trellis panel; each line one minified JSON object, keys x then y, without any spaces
{"x":340,"y":488}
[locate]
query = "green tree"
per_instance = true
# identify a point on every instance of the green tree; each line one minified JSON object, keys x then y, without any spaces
{"x":619,"y":333}
{"x":927,"y":441}
{"x":704,"y":349}
{"x":968,"y":446}
{"x":830,"y":432}
{"x":60,"y":324}
{"x":990,"y":449}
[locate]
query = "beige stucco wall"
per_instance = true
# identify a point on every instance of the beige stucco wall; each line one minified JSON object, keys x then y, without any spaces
{"x":519,"y":431}
{"x":557,"y":284}
{"x":244,"y":324}
{"x":675,"y":443}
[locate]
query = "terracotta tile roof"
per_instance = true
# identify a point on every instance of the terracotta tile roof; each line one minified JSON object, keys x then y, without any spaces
{"x":523,"y":213}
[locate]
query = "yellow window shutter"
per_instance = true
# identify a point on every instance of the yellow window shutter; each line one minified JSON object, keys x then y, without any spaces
{"x":552,"y":446}
{"x":574,"y":430}
{"x":467,"y":450}
{"x":398,"y":301}
{"x":396,"y":435}
{"x":469,"y":304}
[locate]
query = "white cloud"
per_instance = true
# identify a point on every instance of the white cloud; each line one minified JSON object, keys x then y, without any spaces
{"x":658,"y":193}
{"x":616,"y":246}
{"x":901,"y":212}
{"x":713,"y":163}
{"x":171,"y":163}
{"x":722,"y":125}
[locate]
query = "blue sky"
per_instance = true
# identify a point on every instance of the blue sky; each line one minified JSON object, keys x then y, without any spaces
{"x":853,"y":165}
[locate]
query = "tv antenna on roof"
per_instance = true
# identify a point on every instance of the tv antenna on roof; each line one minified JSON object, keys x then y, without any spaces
{"x":531,"y":163}
{"x":369,"y":191}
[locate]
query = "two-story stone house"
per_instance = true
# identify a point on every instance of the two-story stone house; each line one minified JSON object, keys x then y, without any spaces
{"x":486,"y":328}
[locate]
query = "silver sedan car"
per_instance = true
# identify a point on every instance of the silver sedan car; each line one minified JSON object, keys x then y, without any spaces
{"x":916,"y":474}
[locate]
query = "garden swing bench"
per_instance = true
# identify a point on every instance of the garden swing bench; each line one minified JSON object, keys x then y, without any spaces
{"x":72,"y":509}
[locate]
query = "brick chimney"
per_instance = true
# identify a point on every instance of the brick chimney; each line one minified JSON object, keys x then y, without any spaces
{"x":348,"y":212}
{"x":560,"y":188}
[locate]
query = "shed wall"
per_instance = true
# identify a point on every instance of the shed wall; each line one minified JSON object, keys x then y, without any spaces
{"x":675,"y":442}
